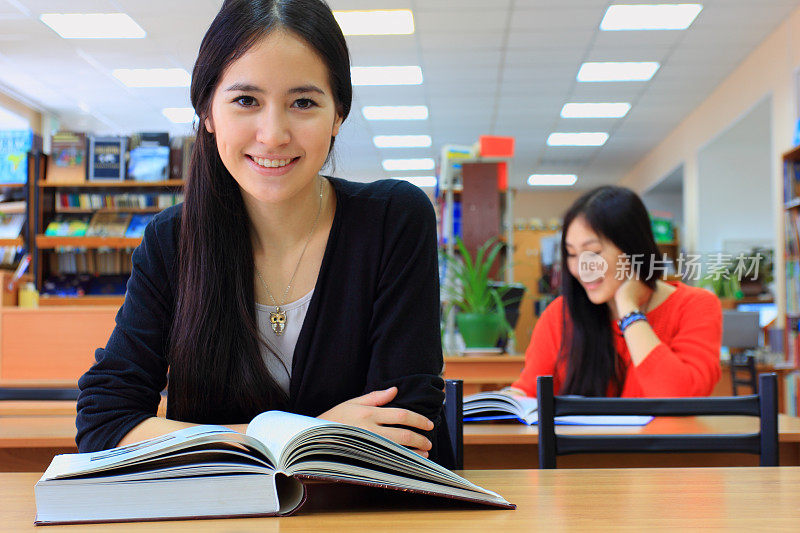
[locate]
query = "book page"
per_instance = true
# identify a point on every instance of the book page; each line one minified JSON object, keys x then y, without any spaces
{"x":276,"y":429}
{"x":67,"y":465}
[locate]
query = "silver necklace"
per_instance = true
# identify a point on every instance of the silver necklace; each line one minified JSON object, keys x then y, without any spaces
{"x":277,"y":319}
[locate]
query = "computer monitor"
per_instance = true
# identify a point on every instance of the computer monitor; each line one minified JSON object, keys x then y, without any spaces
{"x":767,"y":312}
{"x":740,"y":329}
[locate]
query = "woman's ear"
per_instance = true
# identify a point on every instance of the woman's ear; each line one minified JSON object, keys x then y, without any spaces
{"x":209,"y":125}
{"x":336,"y":124}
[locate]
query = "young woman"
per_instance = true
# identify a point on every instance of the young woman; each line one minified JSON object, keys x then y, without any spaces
{"x":273,"y":287}
{"x":622,"y":331}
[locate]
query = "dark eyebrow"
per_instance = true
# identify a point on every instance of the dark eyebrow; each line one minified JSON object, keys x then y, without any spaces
{"x":244,"y":87}
{"x":250,"y":88}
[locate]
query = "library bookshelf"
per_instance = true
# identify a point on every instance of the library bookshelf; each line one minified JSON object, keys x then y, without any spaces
{"x":791,"y":310}
{"x":80,"y":254}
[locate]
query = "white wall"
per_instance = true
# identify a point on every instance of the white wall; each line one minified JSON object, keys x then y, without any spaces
{"x":735,"y":194}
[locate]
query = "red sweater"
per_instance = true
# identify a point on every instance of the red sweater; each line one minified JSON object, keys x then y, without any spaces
{"x":686,"y":363}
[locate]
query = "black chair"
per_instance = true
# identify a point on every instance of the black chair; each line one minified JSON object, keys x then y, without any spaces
{"x":454,"y":419}
{"x":763,"y":405}
{"x":39,"y":393}
{"x":743,"y":363}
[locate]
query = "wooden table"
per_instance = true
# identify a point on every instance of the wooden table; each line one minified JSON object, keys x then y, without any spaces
{"x":483,"y":372}
{"x":515,"y":445}
{"x":670,"y":499}
{"x":29,"y":442}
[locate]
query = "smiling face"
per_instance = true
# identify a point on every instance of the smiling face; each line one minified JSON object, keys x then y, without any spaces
{"x":273,"y":116}
{"x":585,"y":250}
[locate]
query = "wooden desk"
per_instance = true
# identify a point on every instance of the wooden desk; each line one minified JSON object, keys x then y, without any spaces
{"x":28,"y":443}
{"x":741,"y":499}
{"x":513,"y":445}
{"x":486,"y":372}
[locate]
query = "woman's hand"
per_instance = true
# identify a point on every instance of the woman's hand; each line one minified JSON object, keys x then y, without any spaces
{"x":366,"y":412}
{"x":632,"y":294}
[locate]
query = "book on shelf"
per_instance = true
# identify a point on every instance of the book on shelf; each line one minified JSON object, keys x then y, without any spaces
{"x":107,"y":158}
{"x":14,"y":148}
{"x":11,"y":225}
{"x":148,"y":157}
{"x":263,"y":472}
{"x":489,"y":406}
{"x":66,"y":226}
{"x":180,"y":157}
{"x":137,"y":225}
{"x":67,"y":162}
{"x":108,"y":224}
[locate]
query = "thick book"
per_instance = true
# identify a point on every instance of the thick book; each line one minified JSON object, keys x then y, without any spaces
{"x":67,"y":162}
{"x":211,"y":471}
{"x":108,"y":224}
{"x":148,"y":157}
{"x":485,"y":406}
{"x":107,"y":158}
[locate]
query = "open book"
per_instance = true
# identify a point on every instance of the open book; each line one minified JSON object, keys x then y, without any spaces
{"x":212,"y":471}
{"x":498,"y":406}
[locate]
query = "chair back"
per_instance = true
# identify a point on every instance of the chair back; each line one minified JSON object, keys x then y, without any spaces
{"x":454,"y":418}
{"x":38,"y":393}
{"x":743,"y":364}
{"x":763,"y":405}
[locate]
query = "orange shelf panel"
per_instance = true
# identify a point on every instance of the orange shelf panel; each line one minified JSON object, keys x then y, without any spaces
{"x":48,"y":242}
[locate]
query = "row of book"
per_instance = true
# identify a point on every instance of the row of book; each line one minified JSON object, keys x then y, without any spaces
{"x":791,"y":389}
{"x":793,"y":286}
{"x":791,"y":180}
{"x":75,"y":157}
{"x":101,"y":224}
{"x":84,"y":284}
{"x":104,"y":261}
{"x":124,"y":200}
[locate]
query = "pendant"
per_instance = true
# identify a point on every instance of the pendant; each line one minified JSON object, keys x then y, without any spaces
{"x":277,"y":320}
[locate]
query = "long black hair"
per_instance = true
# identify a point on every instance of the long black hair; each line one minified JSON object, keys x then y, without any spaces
{"x":216,"y":367}
{"x":587,"y":344}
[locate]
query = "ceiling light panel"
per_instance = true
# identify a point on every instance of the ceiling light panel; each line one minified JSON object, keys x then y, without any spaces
{"x":402,"y":141}
{"x":93,"y":25}
{"x":376,"y":22}
{"x":577,"y":139}
{"x":552,"y":180}
{"x":617,"y":71}
{"x":650,"y":17}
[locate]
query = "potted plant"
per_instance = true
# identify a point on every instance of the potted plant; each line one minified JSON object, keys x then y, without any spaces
{"x":479,"y":300}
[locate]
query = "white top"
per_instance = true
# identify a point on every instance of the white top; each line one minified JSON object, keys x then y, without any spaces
{"x":280,"y":368}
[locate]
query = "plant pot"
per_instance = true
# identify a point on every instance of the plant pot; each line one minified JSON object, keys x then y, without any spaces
{"x":479,"y":330}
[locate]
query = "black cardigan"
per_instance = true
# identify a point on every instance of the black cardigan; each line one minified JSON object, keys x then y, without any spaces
{"x":373,"y":320}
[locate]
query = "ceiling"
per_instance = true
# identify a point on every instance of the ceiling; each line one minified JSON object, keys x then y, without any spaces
{"x":504,"y":67}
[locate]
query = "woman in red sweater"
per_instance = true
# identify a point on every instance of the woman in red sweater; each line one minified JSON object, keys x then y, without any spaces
{"x":621,"y":331}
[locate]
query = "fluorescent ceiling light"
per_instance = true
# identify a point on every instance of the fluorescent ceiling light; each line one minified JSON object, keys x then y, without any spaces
{"x":179,"y":115}
{"x":425,"y":163}
{"x":577,"y":139}
{"x":153,"y":77}
{"x":408,"y":75}
{"x":93,"y":25}
{"x":618,"y":71}
{"x":559,"y":180}
{"x":376,"y":22}
{"x":395,"y":112}
{"x":650,"y":17}
{"x":607,"y":110}
{"x":402,"y":141}
{"x":419,"y":181}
